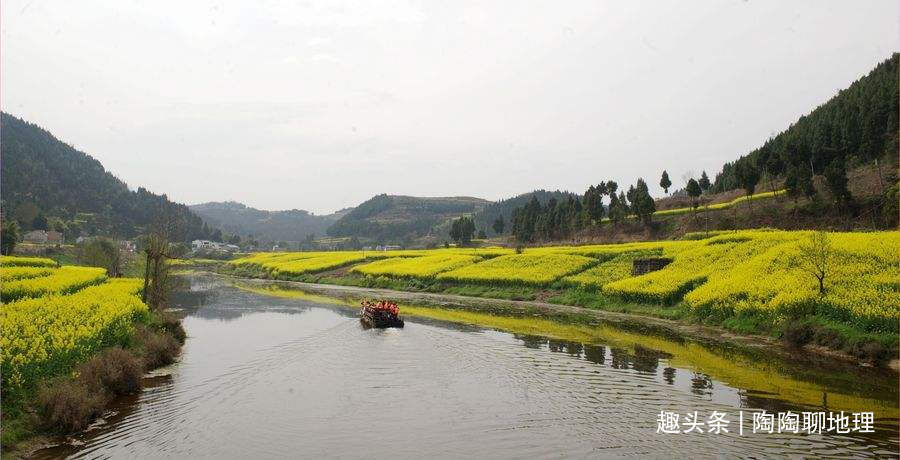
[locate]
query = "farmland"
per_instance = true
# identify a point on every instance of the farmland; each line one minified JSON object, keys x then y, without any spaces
{"x":72,"y":338}
{"x":64,"y":280}
{"x":750,"y":281}
{"x":55,"y":318}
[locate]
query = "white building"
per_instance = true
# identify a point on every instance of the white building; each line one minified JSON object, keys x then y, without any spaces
{"x":213,"y":246}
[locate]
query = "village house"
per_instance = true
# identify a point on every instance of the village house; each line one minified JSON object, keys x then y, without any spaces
{"x":207,"y":245}
{"x":43,"y":237}
{"x":388,"y":247}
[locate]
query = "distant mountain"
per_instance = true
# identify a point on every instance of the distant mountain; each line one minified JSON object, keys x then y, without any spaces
{"x":401,"y":219}
{"x":289,"y":225}
{"x":485,"y":218}
{"x":41,"y":175}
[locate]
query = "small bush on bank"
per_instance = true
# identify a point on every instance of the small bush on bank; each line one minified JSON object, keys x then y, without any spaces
{"x":114,"y":370}
{"x":156,"y":349}
{"x":68,"y":406}
{"x":171,"y":324}
{"x":797,"y":334}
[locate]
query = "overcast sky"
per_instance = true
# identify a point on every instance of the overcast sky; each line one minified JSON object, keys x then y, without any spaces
{"x":320,"y":105}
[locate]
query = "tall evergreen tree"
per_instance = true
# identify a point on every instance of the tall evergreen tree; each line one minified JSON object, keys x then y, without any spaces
{"x":664,"y":182}
{"x":704,"y":182}
{"x":642,"y":204}
{"x":792,"y":184}
{"x":836,"y":179}
{"x":748,"y":176}
{"x":693,"y":190}
{"x":499,"y":224}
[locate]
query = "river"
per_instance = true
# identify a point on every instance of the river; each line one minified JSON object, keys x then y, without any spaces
{"x":271,"y":377}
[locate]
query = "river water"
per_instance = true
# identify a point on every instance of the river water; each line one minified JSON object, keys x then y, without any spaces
{"x":272,"y":377}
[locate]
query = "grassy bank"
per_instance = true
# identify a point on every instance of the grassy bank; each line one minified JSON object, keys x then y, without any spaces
{"x":72,"y":340}
{"x":749,"y":282}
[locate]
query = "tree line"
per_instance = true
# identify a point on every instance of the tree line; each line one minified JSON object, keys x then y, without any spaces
{"x":560,"y":219}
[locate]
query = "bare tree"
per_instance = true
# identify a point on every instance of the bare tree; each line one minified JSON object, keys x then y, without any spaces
{"x":817,"y":256}
{"x":158,"y":250}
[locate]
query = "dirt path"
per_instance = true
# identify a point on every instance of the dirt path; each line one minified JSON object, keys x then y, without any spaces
{"x":638,"y":323}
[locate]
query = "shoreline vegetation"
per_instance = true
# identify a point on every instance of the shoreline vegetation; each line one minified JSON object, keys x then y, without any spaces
{"x":73,"y":340}
{"x":752,"y":282}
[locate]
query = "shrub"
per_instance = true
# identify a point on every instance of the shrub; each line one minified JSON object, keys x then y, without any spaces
{"x":156,"y":349}
{"x":114,"y":370}
{"x":171,"y":324}
{"x":67,"y":405}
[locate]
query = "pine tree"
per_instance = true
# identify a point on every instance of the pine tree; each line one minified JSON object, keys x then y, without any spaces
{"x":836,"y":179}
{"x":693,"y":191}
{"x":792,"y":184}
{"x":664,"y":182}
{"x":748,"y":176}
{"x":499,"y":224}
{"x":704,"y":182}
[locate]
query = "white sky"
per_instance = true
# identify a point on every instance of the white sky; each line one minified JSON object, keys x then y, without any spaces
{"x":320,"y":105}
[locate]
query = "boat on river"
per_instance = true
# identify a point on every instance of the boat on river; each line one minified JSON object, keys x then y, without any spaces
{"x":380,"y":314}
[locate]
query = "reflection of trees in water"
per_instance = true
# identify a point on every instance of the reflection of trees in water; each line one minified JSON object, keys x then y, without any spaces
{"x":701,"y":384}
{"x":620,"y":358}
{"x":647,"y":359}
{"x":642,"y":360}
{"x":669,"y":375}
{"x":188,"y":299}
{"x":595,"y":353}
{"x":531,"y":341}
{"x":565,"y":346}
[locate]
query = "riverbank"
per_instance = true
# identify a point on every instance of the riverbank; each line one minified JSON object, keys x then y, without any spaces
{"x":73,"y":340}
{"x":754,"y":363}
{"x":677,"y":329}
{"x":266,"y":360}
{"x":69,"y":402}
{"x":749,"y":282}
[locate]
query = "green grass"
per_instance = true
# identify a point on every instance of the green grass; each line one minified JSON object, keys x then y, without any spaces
{"x":599,"y":301}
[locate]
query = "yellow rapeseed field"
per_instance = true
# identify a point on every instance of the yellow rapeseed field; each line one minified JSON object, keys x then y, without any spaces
{"x":721,"y":272}
{"x":534,"y":269}
{"x":14,"y":261}
{"x":419,"y":267}
{"x":63,"y":280}
{"x":13,"y":273}
{"x":48,"y":333}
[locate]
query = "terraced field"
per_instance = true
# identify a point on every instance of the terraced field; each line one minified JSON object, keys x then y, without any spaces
{"x":725,"y":274}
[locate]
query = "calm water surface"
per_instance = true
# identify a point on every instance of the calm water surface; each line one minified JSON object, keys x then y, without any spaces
{"x":267,"y":377}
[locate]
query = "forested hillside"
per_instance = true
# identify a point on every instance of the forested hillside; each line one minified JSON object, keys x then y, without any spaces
{"x":399,"y":219}
{"x":289,"y":225}
{"x":855,"y":127}
{"x":43,"y":179}
{"x":484,"y":220}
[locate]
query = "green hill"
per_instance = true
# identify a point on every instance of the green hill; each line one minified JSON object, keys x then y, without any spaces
{"x":401,"y":219}
{"x":855,"y":127}
{"x":288,"y":225}
{"x":41,"y":175}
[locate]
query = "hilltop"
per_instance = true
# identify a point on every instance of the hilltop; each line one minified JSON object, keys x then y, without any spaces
{"x":402,"y":219}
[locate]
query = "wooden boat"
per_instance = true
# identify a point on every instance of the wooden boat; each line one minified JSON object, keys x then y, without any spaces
{"x":380,"y":314}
